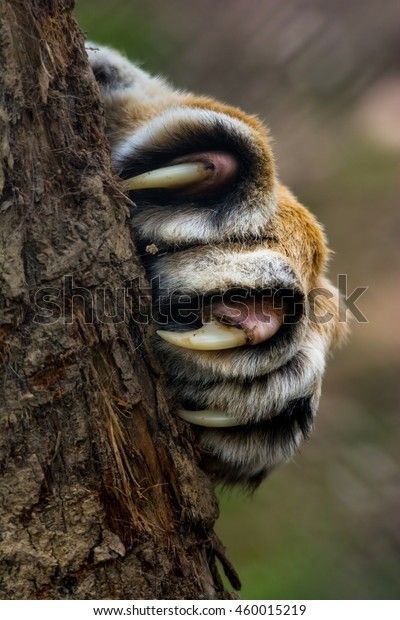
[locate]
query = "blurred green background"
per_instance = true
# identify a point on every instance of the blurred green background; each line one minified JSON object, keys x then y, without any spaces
{"x":325,"y":76}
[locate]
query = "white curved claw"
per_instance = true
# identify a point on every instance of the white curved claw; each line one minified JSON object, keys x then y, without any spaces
{"x":176,"y":176}
{"x":212,"y":336}
{"x":209,"y":418}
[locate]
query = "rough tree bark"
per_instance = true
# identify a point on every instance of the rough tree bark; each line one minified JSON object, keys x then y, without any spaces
{"x":100,"y":496}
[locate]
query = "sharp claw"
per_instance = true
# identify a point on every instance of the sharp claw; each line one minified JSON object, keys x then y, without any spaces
{"x":211,"y":337}
{"x":174,"y":177}
{"x":209,"y":418}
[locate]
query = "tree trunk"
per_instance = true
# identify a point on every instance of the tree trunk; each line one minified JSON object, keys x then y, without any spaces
{"x":100,"y":496}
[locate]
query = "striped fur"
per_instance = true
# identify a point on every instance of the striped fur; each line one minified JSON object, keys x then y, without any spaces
{"x":257,"y":235}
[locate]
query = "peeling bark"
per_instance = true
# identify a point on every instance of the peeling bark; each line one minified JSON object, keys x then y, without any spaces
{"x":100,"y":496}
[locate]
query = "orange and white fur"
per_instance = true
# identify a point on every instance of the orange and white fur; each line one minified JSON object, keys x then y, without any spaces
{"x":223,"y":230}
